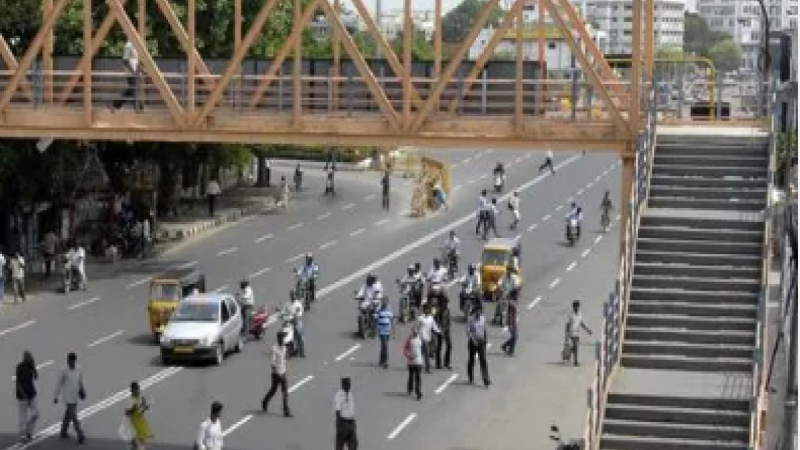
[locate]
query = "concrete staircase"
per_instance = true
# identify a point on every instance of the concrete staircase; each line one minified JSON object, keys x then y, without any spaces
{"x":690,"y":334}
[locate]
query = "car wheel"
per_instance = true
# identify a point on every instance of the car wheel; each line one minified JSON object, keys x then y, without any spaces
{"x":219,"y":355}
{"x":239,"y":344}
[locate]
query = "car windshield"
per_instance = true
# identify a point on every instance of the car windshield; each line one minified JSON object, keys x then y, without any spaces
{"x":165,"y":291}
{"x":196,"y":312}
{"x":492,"y":257}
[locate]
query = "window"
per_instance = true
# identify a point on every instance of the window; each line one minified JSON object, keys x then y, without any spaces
{"x":551,"y":45}
{"x":226,"y":315}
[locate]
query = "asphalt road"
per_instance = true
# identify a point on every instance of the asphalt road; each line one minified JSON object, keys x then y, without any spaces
{"x":350,"y":236}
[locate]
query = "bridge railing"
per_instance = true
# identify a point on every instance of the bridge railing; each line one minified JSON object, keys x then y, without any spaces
{"x":320,"y":95}
{"x":721,"y":103}
{"x":608,"y":349}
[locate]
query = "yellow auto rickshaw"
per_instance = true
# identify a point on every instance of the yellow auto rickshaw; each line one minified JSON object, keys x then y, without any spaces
{"x":166,"y":291}
{"x":498,"y":254}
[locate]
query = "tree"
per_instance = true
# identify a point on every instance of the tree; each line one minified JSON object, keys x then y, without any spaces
{"x":421,"y":47}
{"x":698,"y":37}
{"x":726,"y":55}
{"x":457,"y":23}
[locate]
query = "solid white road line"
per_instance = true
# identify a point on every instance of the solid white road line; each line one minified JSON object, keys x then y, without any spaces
{"x":323,"y":216}
{"x":140,"y":282}
{"x":295,"y":226}
{"x":554,"y":283}
{"x":327,"y":244}
{"x":120,"y":396}
{"x":357,"y":232}
{"x":83,"y":303}
{"x":359,"y":274}
{"x":571,"y":266}
{"x":369,"y":197}
{"x":535,"y":302}
{"x":237,"y":425}
{"x":447,"y":382}
{"x":222,"y":288}
{"x":258,"y":273}
{"x":187,"y":265}
{"x":300,"y":383}
{"x":402,"y":425}
{"x":533,"y":227}
{"x":348,"y":352}
{"x":348,"y":206}
{"x":264,"y":238}
{"x":227,"y":251}
{"x":586,"y":253}
{"x":106,"y":338}
{"x":17,"y":327}
{"x":381,"y":222}
{"x":38,"y":367}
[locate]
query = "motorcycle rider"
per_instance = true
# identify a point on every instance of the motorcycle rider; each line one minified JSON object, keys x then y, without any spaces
{"x":575,"y":213}
{"x":436,"y":278}
{"x":308,"y":274}
{"x":451,"y":248}
{"x":606,"y":206}
{"x":470,"y":285}
{"x":510,"y":286}
{"x":369,"y":296}
{"x":247,"y":303}
{"x":500,"y":170}
{"x":293,"y":314}
{"x":413,"y":282}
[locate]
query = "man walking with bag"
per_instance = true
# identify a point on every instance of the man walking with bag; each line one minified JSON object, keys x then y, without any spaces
{"x":70,"y":389}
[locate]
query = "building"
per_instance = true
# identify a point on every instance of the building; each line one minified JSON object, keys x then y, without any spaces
{"x":557,"y":56}
{"x":741,"y":19}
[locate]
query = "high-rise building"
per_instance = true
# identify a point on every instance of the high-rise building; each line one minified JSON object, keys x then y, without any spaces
{"x":742,"y":20}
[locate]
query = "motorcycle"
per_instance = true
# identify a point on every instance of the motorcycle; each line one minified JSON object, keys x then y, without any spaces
{"x":450,"y":258}
{"x":287,"y":328}
{"x":572,"y":231}
{"x":367,"y":325}
{"x":435,"y":292}
{"x":302,"y":290}
{"x":499,"y":181}
{"x":71,"y":279}
{"x":258,"y":322}
{"x":470,"y":299}
{"x":555,"y":435}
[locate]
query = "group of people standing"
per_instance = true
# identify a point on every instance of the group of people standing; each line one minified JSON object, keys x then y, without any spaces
{"x":488,"y":214}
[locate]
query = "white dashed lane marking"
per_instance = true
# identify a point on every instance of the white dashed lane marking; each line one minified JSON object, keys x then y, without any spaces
{"x":83,"y":303}
{"x":295,"y":226}
{"x":535,"y":302}
{"x":227,"y":251}
{"x":17,"y":327}
{"x":571,"y":266}
{"x":402,"y":425}
{"x":357,"y":232}
{"x":327,"y":244}
{"x":259,"y":272}
{"x":348,"y":206}
{"x":554,"y":283}
{"x":263,"y":238}
{"x":106,"y":338}
{"x":323,"y":216}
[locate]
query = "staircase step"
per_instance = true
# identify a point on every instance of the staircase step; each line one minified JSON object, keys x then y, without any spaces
{"x":657,"y":190}
{"x":706,"y":204}
{"x":675,"y":431}
{"x":639,"y":293}
{"x":678,"y":414}
{"x":683,"y":245}
{"x":752,"y":285}
{"x":717,"y":150}
{"x":699,"y":223}
{"x":614,"y":442}
{"x":696,"y":271}
{"x":697,"y":364}
{"x":700,"y":234}
{"x":685,"y":322}
{"x":708,"y":183}
{"x":642,"y":347}
{"x":721,"y":160}
{"x":744,"y":261}
{"x":709,"y":172}
{"x":727,"y":337}
{"x":721,"y":309}
{"x":725,"y":404}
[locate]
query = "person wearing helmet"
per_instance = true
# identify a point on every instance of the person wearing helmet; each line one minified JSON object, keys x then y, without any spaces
{"x":470,"y":287}
{"x":247,"y":302}
{"x":308,"y":274}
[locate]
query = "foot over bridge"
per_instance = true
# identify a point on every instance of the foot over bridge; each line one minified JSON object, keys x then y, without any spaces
{"x":348,"y":99}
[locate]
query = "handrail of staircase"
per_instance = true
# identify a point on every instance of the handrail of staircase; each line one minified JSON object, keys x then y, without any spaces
{"x":758,"y":389}
{"x":615,"y":311}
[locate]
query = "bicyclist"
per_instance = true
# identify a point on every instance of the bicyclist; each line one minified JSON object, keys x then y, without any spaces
{"x":606,"y":206}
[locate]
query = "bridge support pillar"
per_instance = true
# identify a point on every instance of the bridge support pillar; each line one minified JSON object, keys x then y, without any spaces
{"x":626,"y":198}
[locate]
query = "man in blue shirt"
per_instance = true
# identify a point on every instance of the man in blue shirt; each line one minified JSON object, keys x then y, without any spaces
{"x":308,"y":274}
{"x":384,"y":319}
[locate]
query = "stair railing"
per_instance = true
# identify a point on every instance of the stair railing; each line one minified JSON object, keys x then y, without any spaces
{"x":757,"y":398}
{"x":608,"y":348}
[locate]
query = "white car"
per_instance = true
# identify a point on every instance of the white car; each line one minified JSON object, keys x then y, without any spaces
{"x":203,"y":327}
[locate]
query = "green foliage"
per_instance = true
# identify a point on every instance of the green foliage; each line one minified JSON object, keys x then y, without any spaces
{"x":726,"y":55}
{"x":458,"y":22}
{"x":421,"y":48}
{"x":698,"y":38}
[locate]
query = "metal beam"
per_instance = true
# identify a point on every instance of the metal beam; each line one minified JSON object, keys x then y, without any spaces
{"x":191,"y":62}
{"x":362,"y":67}
{"x":454,"y":63}
{"x":337,"y":58}
{"x":386,"y":50}
{"x":283,"y":53}
{"x":636,"y":71}
{"x":487,"y":53}
{"x":519,"y":73}
{"x":585,"y":65}
{"x":147,"y":61}
{"x":47,"y":55}
{"x":86,"y":64}
{"x":541,"y":90}
{"x":649,"y":39}
{"x":437,"y":38}
{"x":233,"y":65}
{"x":405,"y":78}
{"x":11,"y":62}
{"x":297,"y":66}
{"x":186,"y":42}
{"x":97,"y":41}
{"x":33,"y":49}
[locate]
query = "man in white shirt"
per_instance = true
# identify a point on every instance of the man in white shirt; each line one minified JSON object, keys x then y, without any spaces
{"x":345,"y":410}
{"x":548,"y":162}
{"x":247,"y":303}
{"x":483,"y":208}
{"x":130,"y":62}
{"x":491,"y":220}
{"x":414,"y":357}
{"x":575,"y":324}
{"x":2,"y":277}
{"x":79,"y":263}
{"x":17,"y":265}
{"x":210,"y":436}
{"x":212,"y":192}
{"x":297,"y":311}
{"x":436,"y":278}
{"x":70,"y":389}
{"x":278,"y":377}
{"x":427,"y":327}
{"x":513,"y":205}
